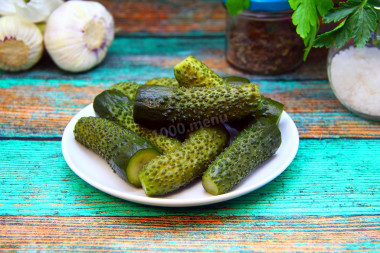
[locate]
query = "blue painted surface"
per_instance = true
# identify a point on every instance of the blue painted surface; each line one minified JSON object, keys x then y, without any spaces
{"x":327,"y":200}
{"x":328,"y":177}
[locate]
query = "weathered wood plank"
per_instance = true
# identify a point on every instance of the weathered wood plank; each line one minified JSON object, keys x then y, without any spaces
{"x":138,"y":59}
{"x":328,"y":177}
{"x":167,"y":18}
{"x":42,"y":108}
{"x":189,"y":233}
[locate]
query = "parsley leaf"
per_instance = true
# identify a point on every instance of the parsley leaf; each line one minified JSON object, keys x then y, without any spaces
{"x":323,"y":6}
{"x":375,"y":3}
{"x":306,"y":18}
{"x":364,"y":21}
{"x":359,"y":18}
{"x":235,"y":7}
{"x":341,"y":12}
{"x":339,"y":35}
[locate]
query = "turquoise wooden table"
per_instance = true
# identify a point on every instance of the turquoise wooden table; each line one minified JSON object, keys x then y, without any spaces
{"x":327,"y":200}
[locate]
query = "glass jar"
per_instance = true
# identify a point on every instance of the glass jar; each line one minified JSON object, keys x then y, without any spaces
{"x":354,"y":76}
{"x":263,"y":40}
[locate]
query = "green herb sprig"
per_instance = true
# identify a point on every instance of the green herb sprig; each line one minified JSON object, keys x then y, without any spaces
{"x":235,"y":7}
{"x":355,"y":19}
{"x":306,"y":17}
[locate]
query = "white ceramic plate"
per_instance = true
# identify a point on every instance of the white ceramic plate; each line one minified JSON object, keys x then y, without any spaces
{"x":95,"y":171}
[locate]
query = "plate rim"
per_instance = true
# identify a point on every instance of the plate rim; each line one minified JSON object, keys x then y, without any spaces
{"x":164,"y":202}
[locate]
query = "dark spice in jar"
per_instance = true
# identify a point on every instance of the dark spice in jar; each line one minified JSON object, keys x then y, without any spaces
{"x":263,"y":44}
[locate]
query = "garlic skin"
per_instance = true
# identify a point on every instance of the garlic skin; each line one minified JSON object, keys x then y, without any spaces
{"x":78,"y":34}
{"x":21,"y":44}
{"x":33,"y":10}
{"x":8,"y":7}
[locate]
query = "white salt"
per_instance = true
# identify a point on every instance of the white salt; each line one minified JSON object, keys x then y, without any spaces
{"x":355,"y":78}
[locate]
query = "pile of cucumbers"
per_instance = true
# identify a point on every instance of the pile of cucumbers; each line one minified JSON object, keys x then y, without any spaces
{"x":130,"y":118}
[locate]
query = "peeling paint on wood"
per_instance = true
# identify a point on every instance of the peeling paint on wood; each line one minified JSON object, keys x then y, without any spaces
{"x":188,"y":233}
{"x":327,"y":200}
{"x":48,"y":107}
{"x":139,"y":59}
{"x":328,"y":177}
{"x":167,"y":18}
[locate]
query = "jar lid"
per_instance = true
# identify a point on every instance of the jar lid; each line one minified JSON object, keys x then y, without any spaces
{"x":268,"y":5}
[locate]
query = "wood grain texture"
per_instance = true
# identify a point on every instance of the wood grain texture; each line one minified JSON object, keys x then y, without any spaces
{"x":170,"y":17}
{"x":167,"y":17}
{"x":139,"y":59}
{"x":327,"y":200}
{"x":328,"y":177}
{"x":40,"y":102}
{"x":40,"y":108}
{"x":188,"y":233}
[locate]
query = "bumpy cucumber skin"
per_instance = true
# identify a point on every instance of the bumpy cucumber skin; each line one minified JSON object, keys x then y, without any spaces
{"x":163,"y":81}
{"x":270,"y":109}
{"x":254,"y":145}
{"x":110,"y":141}
{"x":128,"y":88}
{"x":193,"y":73}
{"x":236,"y":80}
{"x":116,"y":106}
{"x":171,"y":171}
{"x":157,"y":106}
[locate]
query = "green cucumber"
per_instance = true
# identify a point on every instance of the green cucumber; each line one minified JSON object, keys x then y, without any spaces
{"x":128,"y":88}
{"x":163,"y":81}
{"x":157,"y":106}
{"x":254,"y":145}
{"x":116,"y":106}
{"x":137,"y":161}
{"x":236,"y":80}
{"x":193,"y":73}
{"x":125,"y":151}
{"x":179,"y":167}
{"x":270,"y":109}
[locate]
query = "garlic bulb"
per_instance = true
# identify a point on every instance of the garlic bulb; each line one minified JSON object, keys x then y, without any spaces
{"x":78,"y":34}
{"x":31,"y":10}
{"x":20,"y":44}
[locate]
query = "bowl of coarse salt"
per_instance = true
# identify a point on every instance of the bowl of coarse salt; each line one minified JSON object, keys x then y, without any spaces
{"x":354,"y":76}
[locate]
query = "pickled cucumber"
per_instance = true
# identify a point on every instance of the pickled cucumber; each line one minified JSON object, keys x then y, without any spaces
{"x":254,"y":145}
{"x":236,"y":80}
{"x":163,"y":81}
{"x":270,"y":109}
{"x":116,"y":106}
{"x":157,"y":106}
{"x":179,"y":167}
{"x":128,"y":88}
{"x":124,"y":150}
{"x":193,"y":73}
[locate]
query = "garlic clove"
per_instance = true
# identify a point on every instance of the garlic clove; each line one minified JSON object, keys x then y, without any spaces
{"x":8,"y":7}
{"x":36,"y":10}
{"x":21,"y":44}
{"x":78,"y":34}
